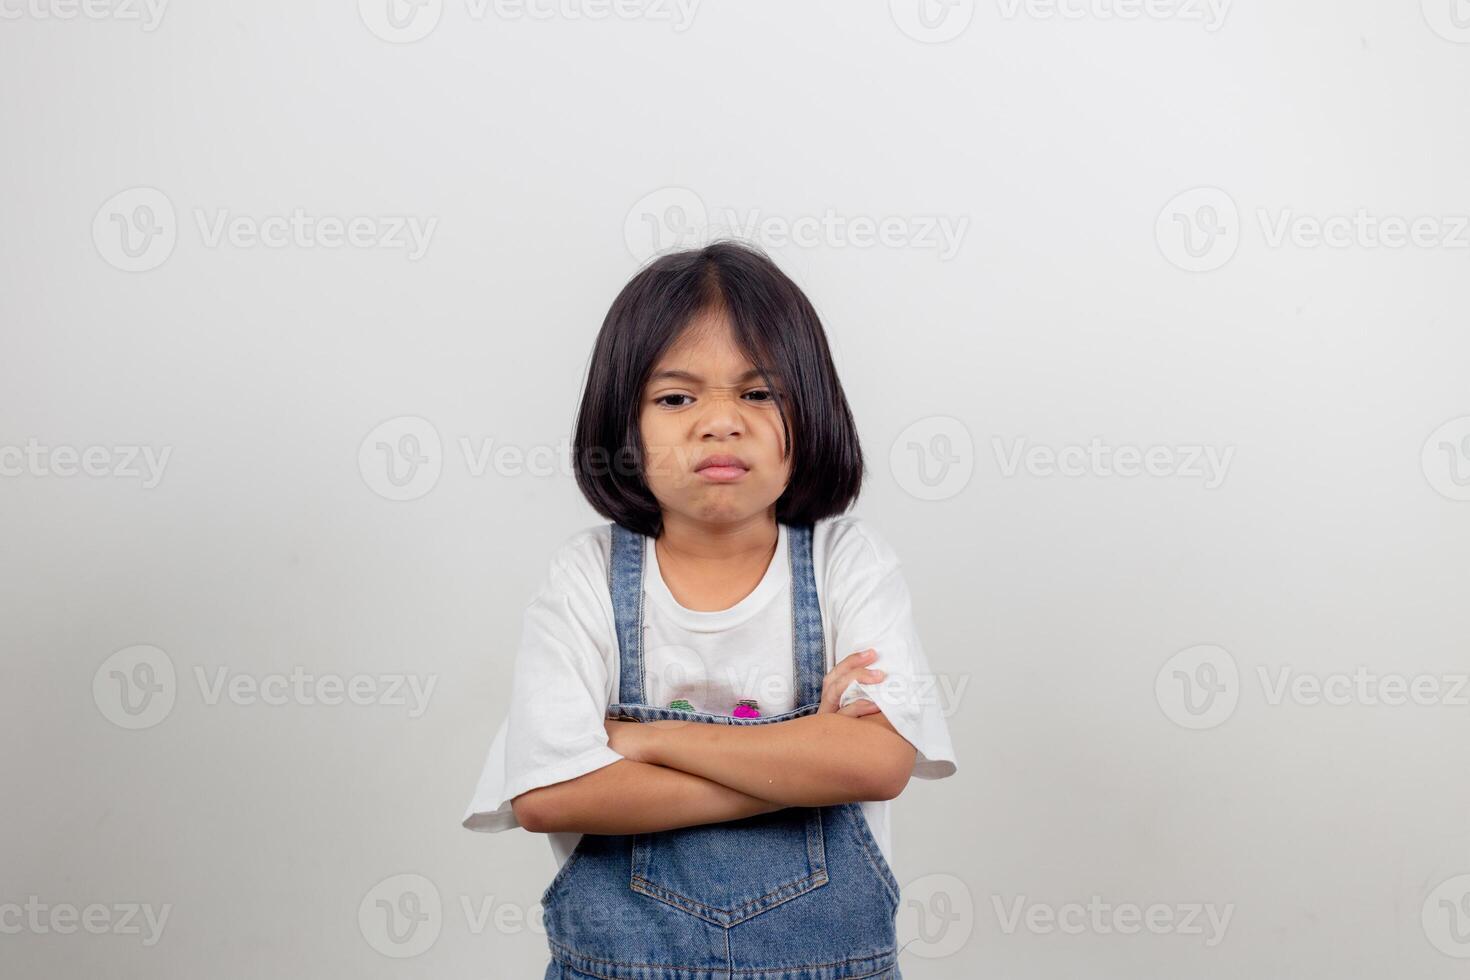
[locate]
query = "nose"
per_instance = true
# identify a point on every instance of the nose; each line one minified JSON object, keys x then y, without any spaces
{"x":720,"y":418}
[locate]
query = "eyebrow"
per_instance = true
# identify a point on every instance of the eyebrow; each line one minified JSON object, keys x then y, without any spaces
{"x":676,"y":375}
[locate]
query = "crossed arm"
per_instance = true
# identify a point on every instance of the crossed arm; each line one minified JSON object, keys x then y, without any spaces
{"x":680,"y":774}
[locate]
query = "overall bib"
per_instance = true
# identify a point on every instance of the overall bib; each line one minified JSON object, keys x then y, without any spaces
{"x":803,"y":893}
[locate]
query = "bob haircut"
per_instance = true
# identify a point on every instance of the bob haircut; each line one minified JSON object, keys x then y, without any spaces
{"x":775,"y":326}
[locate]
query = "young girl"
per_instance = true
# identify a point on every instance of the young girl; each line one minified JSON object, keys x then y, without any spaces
{"x":716,"y":694}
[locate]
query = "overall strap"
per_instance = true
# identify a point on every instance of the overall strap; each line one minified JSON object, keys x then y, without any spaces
{"x":808,"y":647}
{"x":625,"y":581}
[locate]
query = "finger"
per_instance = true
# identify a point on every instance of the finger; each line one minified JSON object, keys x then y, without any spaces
{"x":859,"y":708}
{"x":851,"y":664}
{"x":861,"y":657}
{"x":837,"y":682}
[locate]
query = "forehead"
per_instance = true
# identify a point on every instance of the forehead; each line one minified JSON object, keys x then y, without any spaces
{"x":707,"y":348}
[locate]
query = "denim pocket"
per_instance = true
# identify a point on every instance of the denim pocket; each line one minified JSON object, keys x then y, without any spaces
{"x":727,"y":872}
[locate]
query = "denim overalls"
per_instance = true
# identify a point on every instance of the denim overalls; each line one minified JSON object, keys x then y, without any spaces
{"x":802,"y":893}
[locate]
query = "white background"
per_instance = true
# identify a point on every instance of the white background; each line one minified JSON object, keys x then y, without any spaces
{"x":547,"y":151}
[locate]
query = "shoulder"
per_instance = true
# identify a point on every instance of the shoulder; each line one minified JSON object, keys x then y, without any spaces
{"x":579,"y":561}
{"x":844,"y":544}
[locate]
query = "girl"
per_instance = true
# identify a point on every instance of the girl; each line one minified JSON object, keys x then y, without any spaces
{"x":713,"y":779}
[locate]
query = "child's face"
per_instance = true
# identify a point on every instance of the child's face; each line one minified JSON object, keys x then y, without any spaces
{"x":713,"y":407}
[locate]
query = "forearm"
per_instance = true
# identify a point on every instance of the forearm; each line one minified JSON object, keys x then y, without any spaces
{"x":630,"y":797}
{"x":815,"y":760}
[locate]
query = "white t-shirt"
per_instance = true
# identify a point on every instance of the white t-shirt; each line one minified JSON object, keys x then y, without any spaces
{"x":566,"y":667}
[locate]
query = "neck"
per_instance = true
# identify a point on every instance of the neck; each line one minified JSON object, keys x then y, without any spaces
{"x":740,"y":541}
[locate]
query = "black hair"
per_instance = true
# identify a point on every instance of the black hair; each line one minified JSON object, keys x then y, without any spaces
{"x":774,"y":325}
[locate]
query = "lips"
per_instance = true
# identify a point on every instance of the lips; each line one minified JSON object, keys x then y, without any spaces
{"x":721,"y":468}
{"x":722,"y":460}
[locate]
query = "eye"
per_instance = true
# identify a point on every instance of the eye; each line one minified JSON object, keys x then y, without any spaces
{"x":660,"y":400}
{"x":764,"y":393}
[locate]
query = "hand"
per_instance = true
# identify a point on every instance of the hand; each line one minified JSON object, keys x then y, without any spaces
{"x":851,"y":668}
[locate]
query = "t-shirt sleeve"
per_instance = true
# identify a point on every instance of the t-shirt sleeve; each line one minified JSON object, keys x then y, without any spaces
{"x":874,"y":609}
{"x":554,"y":729}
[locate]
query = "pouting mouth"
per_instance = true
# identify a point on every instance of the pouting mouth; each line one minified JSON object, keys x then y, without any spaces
{"x":721,"y":459}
